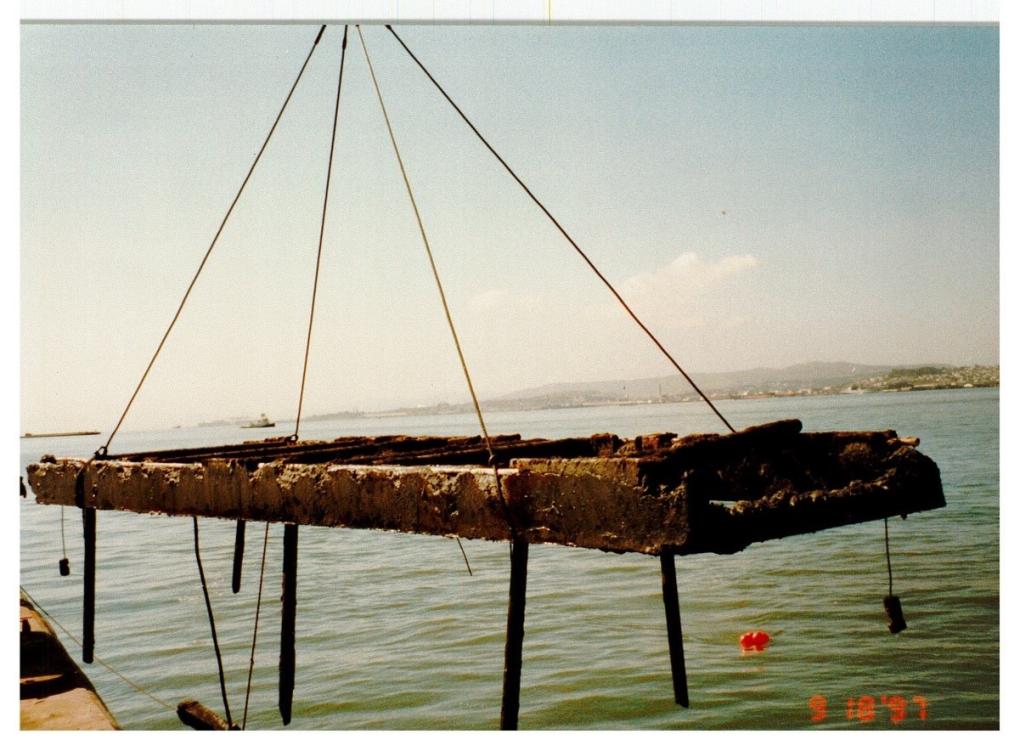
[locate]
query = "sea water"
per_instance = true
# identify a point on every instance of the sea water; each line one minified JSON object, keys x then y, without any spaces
{"x":393,"y":633}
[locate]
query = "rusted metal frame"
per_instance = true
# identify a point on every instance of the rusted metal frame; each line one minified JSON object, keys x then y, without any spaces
{"x":702,"y":450}
{"x":391,"y":450}
{"x":406,"y":450}
{"x":273,"y":448}
{"x":268,"y":447}
{"x":674,"y":633}
{"x":513,"y":652}
{"x":537,"y":448}
{"x":409,"y":450}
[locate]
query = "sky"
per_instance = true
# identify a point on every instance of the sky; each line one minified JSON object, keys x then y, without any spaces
{"x":762,"y":196}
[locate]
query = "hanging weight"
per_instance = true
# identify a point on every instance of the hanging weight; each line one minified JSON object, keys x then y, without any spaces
{"x":894,"y":611}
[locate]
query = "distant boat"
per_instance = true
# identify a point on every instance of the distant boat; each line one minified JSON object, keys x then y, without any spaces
{"x":262,"y":422}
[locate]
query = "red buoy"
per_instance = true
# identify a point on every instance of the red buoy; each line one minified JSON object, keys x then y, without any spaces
{"x":754,"y":641}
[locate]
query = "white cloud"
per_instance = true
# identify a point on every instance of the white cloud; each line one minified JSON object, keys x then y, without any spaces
{"x":687,"y":274}
{"x":490,"y":299}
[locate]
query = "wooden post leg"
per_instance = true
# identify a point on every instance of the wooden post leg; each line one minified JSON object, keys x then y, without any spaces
{"x":235,"y":581}
{"x":514,"y":636}
{"x":290,"y":548}
{"x":88,"y":617}
{"x":673,"y":631}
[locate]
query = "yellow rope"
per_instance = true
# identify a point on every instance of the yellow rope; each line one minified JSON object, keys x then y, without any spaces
{"x":439,"y":283}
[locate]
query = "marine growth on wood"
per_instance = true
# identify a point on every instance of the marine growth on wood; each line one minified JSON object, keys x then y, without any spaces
{"x":699,"y":493}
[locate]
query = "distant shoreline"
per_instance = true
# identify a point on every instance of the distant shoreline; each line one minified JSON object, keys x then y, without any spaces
{"x":467,"y":408}
{"x":59,"y":435}
{"x":462,"y":409}
{"x":809,"y":379}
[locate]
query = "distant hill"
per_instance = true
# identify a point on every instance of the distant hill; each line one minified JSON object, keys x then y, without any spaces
{"x":810,"y":375}
{"x":810,"y":378}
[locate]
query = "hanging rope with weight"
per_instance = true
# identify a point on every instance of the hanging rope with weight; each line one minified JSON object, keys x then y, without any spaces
{"x":893,"y":607}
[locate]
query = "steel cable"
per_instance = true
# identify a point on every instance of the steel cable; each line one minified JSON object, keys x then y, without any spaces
{"x":439,"y":288}
{"x":322,"y":230}
{"x":159,"y":348}
{"x":584,"y":256}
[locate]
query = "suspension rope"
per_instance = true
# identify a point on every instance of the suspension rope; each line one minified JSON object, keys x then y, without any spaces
{"x":212,"y":625}
{"x":464,"y":553}
{"x":103,"y":449}
{"x":584,"y":256}
{"x":105,"y":664}
{"x":428,"y":247}
{"x":322,"y":230}
{"x":255,"y":633}
{"x":888,"y":558}
{"x":439,"y":288}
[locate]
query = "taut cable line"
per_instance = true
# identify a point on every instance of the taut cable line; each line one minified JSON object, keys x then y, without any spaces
{"x":888,"y":558}
{"x":88,"y":513}
{"x":428,"y":247}
{"x":584,"y":256}
{"x":439,"y":283}
{"x":159,"y":348}
{"x":322,"y":230}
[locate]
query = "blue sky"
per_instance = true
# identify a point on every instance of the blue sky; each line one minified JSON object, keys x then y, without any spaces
{"x":762,"y":195}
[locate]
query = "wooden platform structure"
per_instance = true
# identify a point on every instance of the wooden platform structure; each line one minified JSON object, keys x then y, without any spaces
{"x":701,"y":493}
{"x":655,"y":494}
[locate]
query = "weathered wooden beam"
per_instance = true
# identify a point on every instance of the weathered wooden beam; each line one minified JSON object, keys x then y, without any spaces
{"x":288,"y":621}
{"x":235,"y":574}
{"x":674,"y":633}
{"x":88,"y":614}
{"x":197,"y":715}
{"x":514,"y":649}
{"x":432,"y":500}
{"x":703,"y":493}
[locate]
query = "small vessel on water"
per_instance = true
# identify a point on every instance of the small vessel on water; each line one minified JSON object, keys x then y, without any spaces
{"x":262,"y":422}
